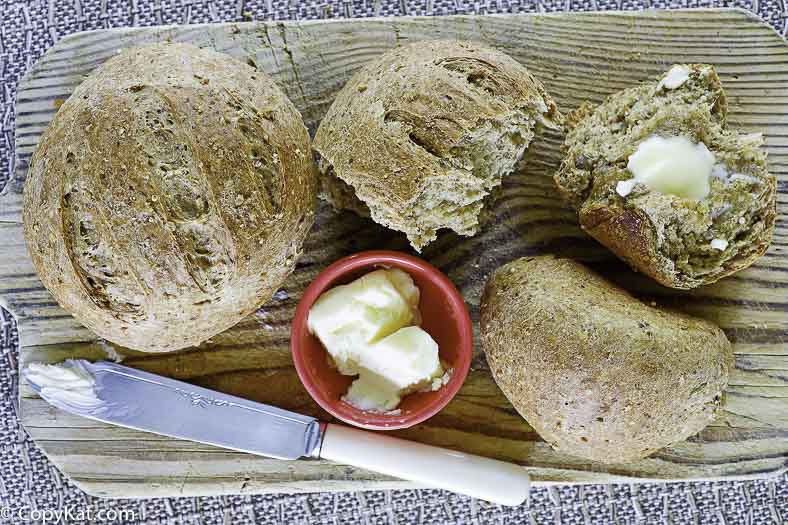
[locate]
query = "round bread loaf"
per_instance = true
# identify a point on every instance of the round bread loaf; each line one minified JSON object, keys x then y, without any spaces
{"x":420,"y":136}
{"x":678,"y":241}
{"x":169,"y":197}
{"x":596,"y":372}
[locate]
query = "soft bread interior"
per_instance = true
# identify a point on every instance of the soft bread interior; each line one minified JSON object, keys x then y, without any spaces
{"x":696,"y":240}
{"x":476,"y":166}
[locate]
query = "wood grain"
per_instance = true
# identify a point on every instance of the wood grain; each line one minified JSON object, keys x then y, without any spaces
{"x":578,"y":57}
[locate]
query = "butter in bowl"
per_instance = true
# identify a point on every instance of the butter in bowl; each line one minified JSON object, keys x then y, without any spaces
{"x":382,"y":340}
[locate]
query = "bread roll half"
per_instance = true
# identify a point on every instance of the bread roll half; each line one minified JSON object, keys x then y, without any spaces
{"x":420,"y":136}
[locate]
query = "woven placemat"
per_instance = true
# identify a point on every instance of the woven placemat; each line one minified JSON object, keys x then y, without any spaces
{"x":33,"y":491}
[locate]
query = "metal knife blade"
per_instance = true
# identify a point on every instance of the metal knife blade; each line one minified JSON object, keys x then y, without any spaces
{"x":142,"y":401}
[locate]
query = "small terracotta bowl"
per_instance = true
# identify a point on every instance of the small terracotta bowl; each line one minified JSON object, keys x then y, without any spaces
{"x":445,"y":318}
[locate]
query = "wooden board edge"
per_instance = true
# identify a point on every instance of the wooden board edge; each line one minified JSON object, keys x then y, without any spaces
{"x":110,"y":489}
{"x":653,"y":13}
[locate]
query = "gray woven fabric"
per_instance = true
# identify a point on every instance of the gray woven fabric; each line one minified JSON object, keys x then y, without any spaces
{"x":29,"y":481}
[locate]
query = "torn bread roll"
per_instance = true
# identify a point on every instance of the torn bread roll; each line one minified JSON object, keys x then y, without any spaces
{"x":657,"y":176}
{"x":420,"y":136}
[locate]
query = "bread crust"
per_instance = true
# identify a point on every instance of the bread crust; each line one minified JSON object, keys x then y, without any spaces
{"x":649,"y":230}
{"x":596,"y":372}
{"x":630,"y":234}
{"x":169,"y":197}
{"x":407,"y":133}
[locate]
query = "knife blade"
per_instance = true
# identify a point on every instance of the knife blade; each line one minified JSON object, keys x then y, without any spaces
{"x":119,"y":395}
{"x":143,"y":401}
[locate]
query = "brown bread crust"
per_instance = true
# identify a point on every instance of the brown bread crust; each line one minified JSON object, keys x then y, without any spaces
{"x":663,"y":236}
{"x":596,"y":372}
{"x":425,"y":132}
{"x":169,"y":196}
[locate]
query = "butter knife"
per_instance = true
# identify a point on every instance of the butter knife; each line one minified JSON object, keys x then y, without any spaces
{"x":128,"y":397}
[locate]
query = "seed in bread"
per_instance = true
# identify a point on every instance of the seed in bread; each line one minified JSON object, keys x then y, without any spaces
{"x":596,"y":372}
{"x":420,"y":136}
{"x":658,"y":177}
{"x":169,"y":197}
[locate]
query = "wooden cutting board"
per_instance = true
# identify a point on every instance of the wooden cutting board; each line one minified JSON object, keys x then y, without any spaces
{"x":578,"y":57}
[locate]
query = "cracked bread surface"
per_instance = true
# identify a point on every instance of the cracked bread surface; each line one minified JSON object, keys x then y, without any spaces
{"x":169,"y":197}
{"x":674,"y":240}
{"x":596,"y":372}
{"x":420,"y":136}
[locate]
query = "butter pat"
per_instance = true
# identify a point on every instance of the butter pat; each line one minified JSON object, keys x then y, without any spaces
{"x":719,"y":244}
{"x":674,"y":78}
{"x":360,"y":313}
{"x":399,"y":364}
{"x":673,"y":166}
{"x":625,"y":187}
{"x":368,"y":327}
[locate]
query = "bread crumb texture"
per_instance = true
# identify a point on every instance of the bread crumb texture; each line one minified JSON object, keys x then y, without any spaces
{"x":596,"y":372}
{"x":665,"y":236}
{"x":169,"y":197}
{"x":420,"y":136}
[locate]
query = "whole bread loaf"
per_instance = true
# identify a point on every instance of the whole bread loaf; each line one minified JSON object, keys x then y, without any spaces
{"x":419,"y":137}
{"x":169,"y":197}
{"x":597,"y":373}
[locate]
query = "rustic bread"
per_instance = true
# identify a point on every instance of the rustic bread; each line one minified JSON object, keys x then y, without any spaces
{"x":597,"y":373}
{"x":169,"y":196}
{"x":420,"y":136}
{"x":680,"y":242}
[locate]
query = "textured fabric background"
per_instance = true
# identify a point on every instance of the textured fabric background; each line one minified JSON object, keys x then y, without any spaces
{"x":29,"y":482}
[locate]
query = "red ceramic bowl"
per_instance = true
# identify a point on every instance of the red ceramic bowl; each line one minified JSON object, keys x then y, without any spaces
{"x":445,"y":318}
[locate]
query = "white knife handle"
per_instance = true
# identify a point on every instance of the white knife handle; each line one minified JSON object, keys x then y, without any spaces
{"x":485,"y":478}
